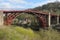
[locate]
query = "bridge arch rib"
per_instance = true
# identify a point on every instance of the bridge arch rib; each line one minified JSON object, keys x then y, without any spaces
{"x":13,"y":15}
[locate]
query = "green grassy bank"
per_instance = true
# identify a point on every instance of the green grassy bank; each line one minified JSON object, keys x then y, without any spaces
{"x":19,"y":33}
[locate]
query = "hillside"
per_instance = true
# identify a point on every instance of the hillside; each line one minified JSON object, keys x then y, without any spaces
{"x":50,"y":7}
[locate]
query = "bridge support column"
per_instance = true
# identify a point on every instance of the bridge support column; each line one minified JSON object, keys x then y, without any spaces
{"x":5,"y":20}
{"x":49,"y":20}
{"x":58,"y":19}
{"x":1,"y":17}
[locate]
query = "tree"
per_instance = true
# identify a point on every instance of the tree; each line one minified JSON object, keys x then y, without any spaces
{"x":54,"y":7}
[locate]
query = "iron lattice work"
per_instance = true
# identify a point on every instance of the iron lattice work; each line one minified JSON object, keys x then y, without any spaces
{"x":41,"y":16}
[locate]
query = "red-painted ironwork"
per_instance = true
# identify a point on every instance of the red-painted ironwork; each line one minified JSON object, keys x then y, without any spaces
{"x":14,"y":14}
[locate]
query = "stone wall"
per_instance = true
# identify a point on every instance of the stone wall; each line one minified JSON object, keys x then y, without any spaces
{"x":1,"y":17}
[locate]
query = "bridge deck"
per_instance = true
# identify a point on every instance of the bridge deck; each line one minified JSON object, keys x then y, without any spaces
{"x":27,"y":11}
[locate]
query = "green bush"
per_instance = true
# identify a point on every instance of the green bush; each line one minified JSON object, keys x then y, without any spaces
{"x":2,"y":34}
{"x":49,"y":34}
{"x":19,"y":33}
{"x":26,"y":20}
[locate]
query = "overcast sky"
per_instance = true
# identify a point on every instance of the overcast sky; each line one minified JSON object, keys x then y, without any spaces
{"x":22,"y":4}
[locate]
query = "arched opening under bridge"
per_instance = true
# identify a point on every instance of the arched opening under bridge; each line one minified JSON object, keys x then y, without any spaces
{"x":27,"y":21}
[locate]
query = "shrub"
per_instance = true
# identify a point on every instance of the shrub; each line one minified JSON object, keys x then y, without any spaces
{"x":19,"y":33}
